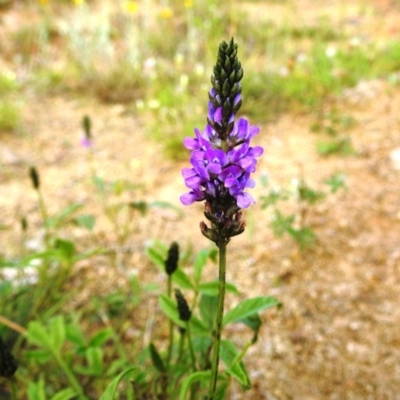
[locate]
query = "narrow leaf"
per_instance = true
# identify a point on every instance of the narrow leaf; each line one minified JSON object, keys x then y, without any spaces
{"x":157,"y":253}
{"x":169,"y":307}
{"x":237,"y":370}
{"x":156,"y":358}
{"x":94,"y":356}
{"x":249,"y":307}
{"x":85,"y":221}
{"x":182,"y":280}
{"x":211,"y":288}
{"x":65,"y":394}
{"x":101,"y":337}
{"x":36,"y":390}
{"x":202,"y":376}
{"x":112,"y":387}
{"x":57,"y":332}
{"x":208,"y":309}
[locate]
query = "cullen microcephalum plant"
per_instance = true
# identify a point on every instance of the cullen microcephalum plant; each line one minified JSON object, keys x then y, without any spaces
{"x":222,"y":161}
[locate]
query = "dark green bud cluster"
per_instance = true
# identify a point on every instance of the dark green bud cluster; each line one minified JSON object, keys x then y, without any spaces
{"x":8,"y":364}
{"x":34,"y":175}
{"x":183,"y":307}
{"x":171,"y":263}
{"x":223,"y":225}
{"x":225,"y":95}
{"x":87,"y":127}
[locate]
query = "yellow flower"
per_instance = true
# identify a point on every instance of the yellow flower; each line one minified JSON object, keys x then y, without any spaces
{"x":166,"y":13}
{"x":78,"y":2}
{"x":188,"y":3}
{"x":43,"y":2}
{"x":131,"y":7}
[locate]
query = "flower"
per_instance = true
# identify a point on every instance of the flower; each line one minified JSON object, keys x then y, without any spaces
{"x":215,"y":172}
{"x":222,"y":157}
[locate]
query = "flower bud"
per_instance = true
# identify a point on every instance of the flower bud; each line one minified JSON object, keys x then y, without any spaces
{"x":8,"y":364}
{"x":34,"y":175}
{"x":183,"y":308}
{"x":171,"y":263}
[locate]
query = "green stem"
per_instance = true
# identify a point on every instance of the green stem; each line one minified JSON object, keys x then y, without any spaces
{"x":192,"y":357}
{"x":70,"y":375}
{"x":219,"y":317}
{"x":45,"y":217}
{"x":13,"y":389}
{"x":171,"y":324}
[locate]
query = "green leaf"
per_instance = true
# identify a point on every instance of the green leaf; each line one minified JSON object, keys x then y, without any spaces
{"x":198,"y":327}
{"x":236,"y":370}
{"x":65,"y":394}
{"x":101,"y":337}
{"x":57,"y":332}
{"x":249,"y":307}
{"x":87,"y":254}
{"x":36,"y":390}
{"x":94,"y":356}
{"x":60,"y":217}
{"x":112,"y":387}
{"x":220,"y":392}
{"x":182,"y":280}
{"x":305,"y":237}
{"x":41,"y":356}
{"x":156,"y":358}
{"x":281,"y":223}
{"x":66,"y":248}
{"x":157,"y":253}
{"x":212,"y":288}
{"x":336,"y":181}
{"x":99,"y":183}
{"x":38,"y":335}
{"x":208,"y":309}
{"x":169,"y":307}
{"x":202,"y":376}
{"x":85,"y":221}
{"x":199,"y":264}
{"x":74,"y":334}
{"x":254,"y":323}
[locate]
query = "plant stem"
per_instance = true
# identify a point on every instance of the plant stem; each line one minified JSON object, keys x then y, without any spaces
{"x":45,"y":217}
{"x":70,"y":375}
{"x":190,"y":343}
{"x":171,"y":325}
{"x":219,"y":317}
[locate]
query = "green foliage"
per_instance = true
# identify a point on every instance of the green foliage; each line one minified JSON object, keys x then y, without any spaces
{"x":302,"y":198}
{"x":10,"y":116}
{"x":201,"y":325}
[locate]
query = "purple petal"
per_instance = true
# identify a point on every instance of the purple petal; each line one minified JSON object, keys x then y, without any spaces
{"x":188,"y":172}
{"x":253,"y":131}
{"x":250,"y":183}
{"x":191,"y":144}
{"x":256,"y":151}
{"x":244,"y":200}
{"x":191,"y":197}
{"x":193,"y":182}
{"x":218,"y":116}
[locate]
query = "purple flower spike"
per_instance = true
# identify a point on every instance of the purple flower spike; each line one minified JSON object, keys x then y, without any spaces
{"x":222,"y":158}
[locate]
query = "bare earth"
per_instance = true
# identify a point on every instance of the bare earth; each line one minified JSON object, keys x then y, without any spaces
{"x":337,"y":336}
